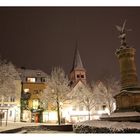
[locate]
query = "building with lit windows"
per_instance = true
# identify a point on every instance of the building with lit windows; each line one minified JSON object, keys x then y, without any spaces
{"x":10,"y":108}
{"x":33,"y":83}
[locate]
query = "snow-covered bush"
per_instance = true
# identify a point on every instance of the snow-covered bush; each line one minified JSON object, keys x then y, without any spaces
{"x":106,"y":127}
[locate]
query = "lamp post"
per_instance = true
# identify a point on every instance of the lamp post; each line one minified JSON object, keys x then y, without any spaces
{"x":21,"y":102}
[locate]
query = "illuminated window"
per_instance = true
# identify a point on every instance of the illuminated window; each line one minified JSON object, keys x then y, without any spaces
{"x":35,"y":104}
{"x":26,"y":90}
{"x":33,"y":80}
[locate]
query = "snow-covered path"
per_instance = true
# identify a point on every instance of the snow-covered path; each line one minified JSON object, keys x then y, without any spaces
{"x":13,"y":125}
{"x":16,"y":125}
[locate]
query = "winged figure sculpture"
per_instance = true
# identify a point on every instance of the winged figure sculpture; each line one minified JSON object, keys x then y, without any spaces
{"x":122,"y":34}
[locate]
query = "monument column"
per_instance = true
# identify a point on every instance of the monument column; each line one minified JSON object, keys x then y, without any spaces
{"x":127,"y":67}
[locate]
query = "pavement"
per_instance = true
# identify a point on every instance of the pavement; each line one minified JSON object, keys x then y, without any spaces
{"x":15,"y":125}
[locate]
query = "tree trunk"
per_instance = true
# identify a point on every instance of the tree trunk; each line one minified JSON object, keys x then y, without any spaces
{"x":109,"y":107}
{"x":88,"y":114}
{"x":58,"y":111}
{"x":0,"y":118}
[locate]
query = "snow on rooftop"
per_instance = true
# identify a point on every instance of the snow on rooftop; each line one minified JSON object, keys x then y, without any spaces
{"x":32,"y":73}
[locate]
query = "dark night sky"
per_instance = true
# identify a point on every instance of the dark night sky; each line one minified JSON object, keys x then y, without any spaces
{"x":45,"y":37}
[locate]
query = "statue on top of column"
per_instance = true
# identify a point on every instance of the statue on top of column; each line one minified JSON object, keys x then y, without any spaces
{"x":122,"y":34}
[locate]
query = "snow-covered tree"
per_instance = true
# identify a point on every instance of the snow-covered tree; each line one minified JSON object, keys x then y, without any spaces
{"x":8,"y":75}
{"x":100,"y":90}
{"x":57,"y":91}
{"x":106,"y":90}
{"x":113,"y":88}
{"x":85,"y":96}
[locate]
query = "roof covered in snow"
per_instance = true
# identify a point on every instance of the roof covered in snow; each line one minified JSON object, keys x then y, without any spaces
{"x":31,"y":73}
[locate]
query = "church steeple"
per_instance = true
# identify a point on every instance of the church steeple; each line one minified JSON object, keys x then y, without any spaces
{"x":78,"y":72}
{"x":77,"y":62}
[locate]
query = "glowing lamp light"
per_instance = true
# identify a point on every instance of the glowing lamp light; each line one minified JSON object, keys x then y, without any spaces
{"x":26,"y":90}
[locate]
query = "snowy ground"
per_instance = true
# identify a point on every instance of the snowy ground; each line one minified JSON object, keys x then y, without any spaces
{"x":49,"y":132}
{"x":12,"y":125}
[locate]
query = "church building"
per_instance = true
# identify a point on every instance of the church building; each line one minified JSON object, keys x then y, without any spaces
{"x":74,"y":112}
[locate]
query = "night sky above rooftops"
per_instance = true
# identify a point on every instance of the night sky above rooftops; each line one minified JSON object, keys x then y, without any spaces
{"x":45,"y":37}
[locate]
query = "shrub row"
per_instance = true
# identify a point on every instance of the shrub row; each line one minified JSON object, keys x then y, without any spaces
{"x":95,"y":129}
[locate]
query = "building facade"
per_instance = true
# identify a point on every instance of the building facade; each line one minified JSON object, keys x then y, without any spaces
{"x":33,"y":83}
{"x":10,"y":108}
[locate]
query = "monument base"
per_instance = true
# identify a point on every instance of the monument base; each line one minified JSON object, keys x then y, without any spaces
{"x":128,"y":106}
{"x":122,"y":117}
{"x":128,"y":100}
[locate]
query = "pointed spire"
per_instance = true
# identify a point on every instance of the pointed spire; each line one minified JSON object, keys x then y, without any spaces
{"x":77,"y":62}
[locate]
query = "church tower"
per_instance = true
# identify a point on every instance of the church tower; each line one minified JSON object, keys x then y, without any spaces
{"x":78,"y":72}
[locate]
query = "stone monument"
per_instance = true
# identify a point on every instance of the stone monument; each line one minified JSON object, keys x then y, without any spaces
{"x":128,"y":99}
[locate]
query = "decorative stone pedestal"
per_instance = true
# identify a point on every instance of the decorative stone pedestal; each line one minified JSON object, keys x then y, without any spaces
{"x":128,"y":100}
{"x":128,"y":107}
